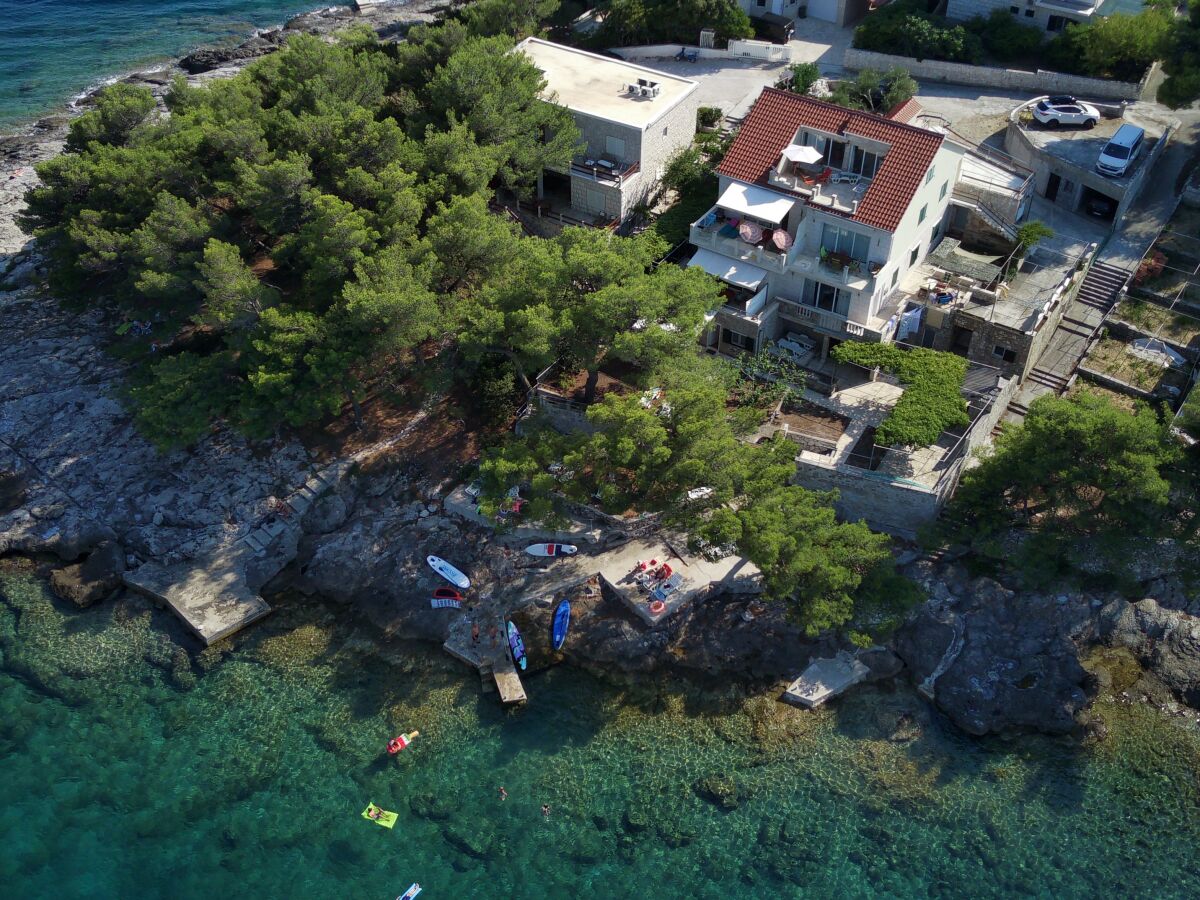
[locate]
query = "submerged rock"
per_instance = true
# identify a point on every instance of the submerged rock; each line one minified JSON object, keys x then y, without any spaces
{"x":720,"y":790}
{"x":92,"y":580}
{"x":1165,"y":641}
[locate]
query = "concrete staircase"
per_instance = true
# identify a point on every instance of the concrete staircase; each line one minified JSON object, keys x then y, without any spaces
{"x":1101,"y":286}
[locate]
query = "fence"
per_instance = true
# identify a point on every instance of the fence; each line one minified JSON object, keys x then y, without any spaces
{"x":1040,"y":82}
{"x":763,"y":50}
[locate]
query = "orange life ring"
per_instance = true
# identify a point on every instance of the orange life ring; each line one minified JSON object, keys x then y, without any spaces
{"x":656,"y":606}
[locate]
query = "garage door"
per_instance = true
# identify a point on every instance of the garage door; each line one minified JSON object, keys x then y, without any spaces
{"x":825,"y":10}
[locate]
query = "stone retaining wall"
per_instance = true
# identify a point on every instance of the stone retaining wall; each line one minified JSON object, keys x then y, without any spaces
{"x":1039,"y":82}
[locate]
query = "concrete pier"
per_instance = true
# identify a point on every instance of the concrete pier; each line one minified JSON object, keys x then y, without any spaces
{"x":508,"y":682}
{"x":824,"y":679}
{"x":210,"y":596}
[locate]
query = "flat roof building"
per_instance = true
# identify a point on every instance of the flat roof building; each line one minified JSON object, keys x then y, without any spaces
{"x":632,"y":120}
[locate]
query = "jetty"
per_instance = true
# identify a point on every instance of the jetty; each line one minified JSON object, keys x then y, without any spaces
{"x":825,"y":679}
{"x":488,"y":654}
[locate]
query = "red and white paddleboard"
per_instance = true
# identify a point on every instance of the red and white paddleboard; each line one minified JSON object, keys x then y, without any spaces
{"x":551,"y":549}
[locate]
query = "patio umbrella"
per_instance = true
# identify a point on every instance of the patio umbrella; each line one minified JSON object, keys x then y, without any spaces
{"x":751,"y":232}
{"x":781,"y":239}
{"x":807,"y":155}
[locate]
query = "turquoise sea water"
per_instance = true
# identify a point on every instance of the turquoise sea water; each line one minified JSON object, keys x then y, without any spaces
{"x":129,"y":768}
{"x":51,"y":50}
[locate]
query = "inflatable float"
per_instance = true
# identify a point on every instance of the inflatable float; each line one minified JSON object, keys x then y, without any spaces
{"x":401,"y":741}
{"x":380,"y":816}
{"x":447,"y":571}
{"x":413,"y":890}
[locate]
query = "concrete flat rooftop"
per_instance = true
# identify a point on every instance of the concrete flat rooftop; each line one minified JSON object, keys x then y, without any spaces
{"x":1082,"y":147}
{"x":594,"y":85}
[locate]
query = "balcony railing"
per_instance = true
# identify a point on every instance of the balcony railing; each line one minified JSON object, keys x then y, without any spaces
{"x":762,"y":255}
{"x":604,"y":170}
{"x":750,"y":307}
{"x":826,"y":320}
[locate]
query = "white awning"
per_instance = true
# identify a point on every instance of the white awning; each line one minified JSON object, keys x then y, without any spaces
{"x":801,"y":154}
{"x":764,"y":205}
{"x":734,"y":271}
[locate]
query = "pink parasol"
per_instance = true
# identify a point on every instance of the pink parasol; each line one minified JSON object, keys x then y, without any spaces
{"x":750,"y":232}
{"x":781,"y":239}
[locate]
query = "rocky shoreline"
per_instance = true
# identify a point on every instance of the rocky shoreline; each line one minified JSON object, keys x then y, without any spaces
{"x":77,"y":481}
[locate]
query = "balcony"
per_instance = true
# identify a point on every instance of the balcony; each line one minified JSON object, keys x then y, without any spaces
{"x":745,"y":304}
{"x":880,"y":328}
{"x":829,"y":189}
{"x":722,"y":237}
{"x":604,"y":171}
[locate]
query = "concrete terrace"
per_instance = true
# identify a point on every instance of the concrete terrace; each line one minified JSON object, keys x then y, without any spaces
{"x":825,"y":679}
{"x":478,"y":639}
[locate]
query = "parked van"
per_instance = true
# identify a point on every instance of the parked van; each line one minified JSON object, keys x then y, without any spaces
{"x":1121,"y":151}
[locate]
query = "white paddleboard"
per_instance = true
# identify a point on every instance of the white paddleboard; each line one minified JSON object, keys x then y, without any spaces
{"x":551,"y":549}
{"x":447,"y":571}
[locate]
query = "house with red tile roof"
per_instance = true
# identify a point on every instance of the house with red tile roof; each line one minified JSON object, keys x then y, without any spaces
{"x":821,"y":211}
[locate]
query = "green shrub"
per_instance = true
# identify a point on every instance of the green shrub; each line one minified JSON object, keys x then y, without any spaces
{"x":633,"y":22}
{"x":685,"y":167}
{"x":1004,"y":37}
{"x":1117,"y":46}
{"x":708,"y":116}
{"x":875,"y":91}
{"x":932,"y":400}
{"x":906,"y":29}
{"x":803,"y":77}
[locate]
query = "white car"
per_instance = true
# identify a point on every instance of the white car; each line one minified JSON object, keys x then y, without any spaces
{"x":1055,"y":111}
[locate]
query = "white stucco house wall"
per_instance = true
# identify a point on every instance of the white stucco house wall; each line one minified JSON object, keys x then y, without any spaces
{"x":845,"y":202}
{"x":1051,"y":16}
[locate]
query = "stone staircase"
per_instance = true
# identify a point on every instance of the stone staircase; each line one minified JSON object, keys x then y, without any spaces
{"x":1101,"y":286}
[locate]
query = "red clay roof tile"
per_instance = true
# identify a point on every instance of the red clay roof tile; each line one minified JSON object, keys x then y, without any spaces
{"x":905,"y":111}
{"x":776,"y":117}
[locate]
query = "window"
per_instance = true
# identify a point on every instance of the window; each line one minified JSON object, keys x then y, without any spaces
{"x":864,"y":162}
{"x":664,"y":130}
{"x":1056,"y":23}
{"x":1003,"y":353}
{"x":614,"y":147}
{"x":845,"y":241}
{"x":912,"y":257}
{"x":1014,"y":9}
{"x":1029,"y":13}
{"x":741,"y":341}
{"x":826,"y":297}
{"x":895,"y":277}
{"x":760,"y":2}
{"x":921,"y":216}
{"x":833,"y":154}
{"x":929,"y":175}
{"x":945,"y":187}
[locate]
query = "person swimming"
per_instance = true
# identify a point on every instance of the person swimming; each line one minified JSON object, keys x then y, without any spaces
{"x":546,"y":810}
{"x":503,"y":793}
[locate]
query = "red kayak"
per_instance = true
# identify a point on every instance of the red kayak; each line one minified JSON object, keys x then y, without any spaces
{"x":445,"y":593}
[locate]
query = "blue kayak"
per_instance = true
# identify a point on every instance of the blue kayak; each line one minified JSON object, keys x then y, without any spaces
{"x":562,"y":622}
{"x":517,"y":645}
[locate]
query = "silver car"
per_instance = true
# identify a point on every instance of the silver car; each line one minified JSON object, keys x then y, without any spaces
{"x":1055,"y":111}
